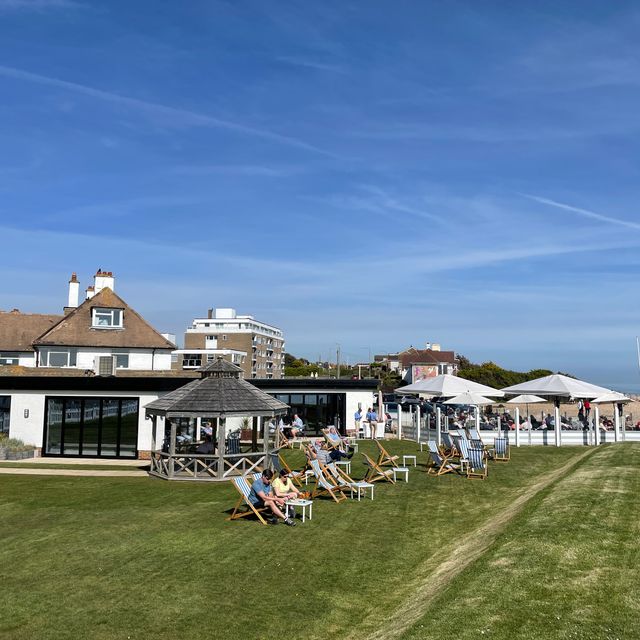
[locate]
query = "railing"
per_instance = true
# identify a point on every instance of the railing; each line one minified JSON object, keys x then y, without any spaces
{"x":194,"y":466}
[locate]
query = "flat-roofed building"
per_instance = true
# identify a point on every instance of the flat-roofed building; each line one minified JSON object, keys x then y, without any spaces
{"x":255,"y":346}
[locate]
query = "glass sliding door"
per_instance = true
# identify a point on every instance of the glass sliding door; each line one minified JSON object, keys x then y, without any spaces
{"x":110,"y":427}
{"x":54,"y":426}
{"x":91,"y":427}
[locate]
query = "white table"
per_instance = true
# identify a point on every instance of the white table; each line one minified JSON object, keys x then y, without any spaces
{"x":307,"y":474}
{"x":346,"y":464}
{"x":397,"y":470}
{"x":373,"y":431}
{"x":299,"y":502}
{"x":409,"y":457}
{"x":361,"y":487}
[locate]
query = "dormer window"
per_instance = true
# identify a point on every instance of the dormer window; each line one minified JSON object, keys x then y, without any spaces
{"x":107,"y":318}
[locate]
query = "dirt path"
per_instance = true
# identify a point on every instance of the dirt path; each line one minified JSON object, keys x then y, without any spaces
{"x":97,"y":473}
{"x":425,"y":587}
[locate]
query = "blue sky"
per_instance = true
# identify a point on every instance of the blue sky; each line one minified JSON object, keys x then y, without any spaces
{"x":372,"y":174}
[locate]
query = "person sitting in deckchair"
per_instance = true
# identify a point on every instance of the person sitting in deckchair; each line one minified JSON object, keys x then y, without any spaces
{"x":285,"y":489}
{"x":336,"y":442}
{"x":261,"y":495}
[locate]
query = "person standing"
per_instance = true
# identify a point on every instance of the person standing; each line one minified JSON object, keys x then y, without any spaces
{"x":358,"y":419}
{"x":372,"y":419}
{"x":587,"y":409}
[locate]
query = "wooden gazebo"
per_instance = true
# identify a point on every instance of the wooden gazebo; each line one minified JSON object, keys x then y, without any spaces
{"x":220,"y":393}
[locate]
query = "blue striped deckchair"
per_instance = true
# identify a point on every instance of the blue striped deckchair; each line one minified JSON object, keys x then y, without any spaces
{"x":474,"y":435}
{"x":244,"y":488}
{"x":343,"y":481}
{"x":440,"y":463}
{"x":501,"y":450}
{"x":375,"y":472}
{"x":462,"y":447}
{"x":477,"y":467}
{"x":324,"y":485}
{"x":448,"y":447}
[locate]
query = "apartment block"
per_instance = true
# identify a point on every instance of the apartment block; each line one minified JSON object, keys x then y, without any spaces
{"x":255,"y":346}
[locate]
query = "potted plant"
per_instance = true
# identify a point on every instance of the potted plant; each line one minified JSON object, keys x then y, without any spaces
{"x":246,"y":430}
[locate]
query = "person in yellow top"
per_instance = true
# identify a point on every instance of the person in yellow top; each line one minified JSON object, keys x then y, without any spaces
{"x":286,"y":490}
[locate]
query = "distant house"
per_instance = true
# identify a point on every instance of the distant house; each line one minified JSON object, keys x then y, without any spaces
{"x":418,"y":364}
{"x":102,"y":334}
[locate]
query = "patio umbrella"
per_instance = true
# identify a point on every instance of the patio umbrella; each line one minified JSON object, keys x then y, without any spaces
{"x":446,"y":385}
{"x":614,"y":398}
{"x":558,"y":387}
{"x":526,"y":399}
{"x":469,"y":397}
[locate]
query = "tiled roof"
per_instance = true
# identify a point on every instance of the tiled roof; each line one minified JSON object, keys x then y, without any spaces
{"x":75,"y":329}
{"x":19,"y":330}
{"x":426,"y":356}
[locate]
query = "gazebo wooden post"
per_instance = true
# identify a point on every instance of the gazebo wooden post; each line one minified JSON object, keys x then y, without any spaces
{"x":153,"y":433}
{"x":265,"y":440}
{"x":255,"y":428}
{"x":221,"y":445}
{"x":172,"y":447}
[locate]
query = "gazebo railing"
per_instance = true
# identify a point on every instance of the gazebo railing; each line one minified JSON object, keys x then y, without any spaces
{"x":194,"y":466}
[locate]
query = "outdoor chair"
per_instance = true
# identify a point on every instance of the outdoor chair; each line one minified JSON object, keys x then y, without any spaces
{"x":501,"y":451}
{"x":462,"y":445}
{"x":474,"y":435}
{"x":447,"y":447}
{"x":296,"y":476}
{"x":324,"y":485}
{"x":477,"y":466}
{"x":385,"y":458}
{"x":440,"y":463}
{"x":244,"y":488}
{"x":333,"y":440}
{"x":232,"y":444}
{"x":343,"y":480}
{"x":375,"y":472}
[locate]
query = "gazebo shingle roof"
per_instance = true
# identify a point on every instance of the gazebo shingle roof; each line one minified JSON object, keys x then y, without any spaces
{"x":219,"y":391}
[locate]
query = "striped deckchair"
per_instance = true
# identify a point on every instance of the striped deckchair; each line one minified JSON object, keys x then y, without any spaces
{"x":477,"y":467}
{"x":324,"y":485}
{"x":474,"y":435}
{"x":343,"y":481}
{"x":375,"y":472}
{"x":447,"y":447}
{"x":440,"y":464}
{"x":244,"y":489}
{"x":333,"y":440}
{"x":501,"y":451}
{"x":462,"y":447}
{"x":385,"y":458}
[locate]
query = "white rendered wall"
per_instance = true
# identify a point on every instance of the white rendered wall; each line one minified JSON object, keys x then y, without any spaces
{"x":139,"y":360}
{"x":365,"y":398}
{"x":31,"y":429}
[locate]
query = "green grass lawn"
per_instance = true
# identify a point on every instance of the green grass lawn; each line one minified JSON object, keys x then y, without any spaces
{"x":145,"y":558}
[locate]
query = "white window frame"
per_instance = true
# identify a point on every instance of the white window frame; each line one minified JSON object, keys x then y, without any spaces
{"x":71,"y":357}
{"x":114,"y":317}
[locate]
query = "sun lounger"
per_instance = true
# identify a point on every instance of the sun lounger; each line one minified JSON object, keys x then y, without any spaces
{"x":324,"y":485}
{"x":244,"y":488}
{"x":474,"y":435}
{"x":297,"y":477}
{"x":441,"y":464}
{"x":447,"y":447}
{"x":384,"y":457}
